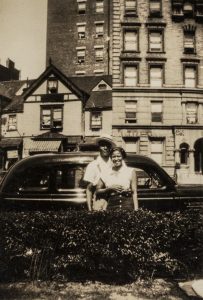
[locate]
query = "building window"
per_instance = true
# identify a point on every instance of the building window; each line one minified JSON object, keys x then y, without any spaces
{"x":156,"y":76}
{"x":157,"y":112}
{"x":99,"y":29}
{"x":51,"y":117}
{"x":157,"y":150}
{"x":96,"y":120}
{"x":155,"y":8}
{"x":99,"y":53}
{"x":189,"y":42}
{"x":81,"y":7}
{"x":191,"y":113}
{"x":130,"y":112}
{"x":52,"y":85}
{"x":156,"y":41}
{"x":131,"y":145}
{"x":80,"y":56}
{"x":188,"y":8}
{"x":99,"y":6}
{"x":190,"y":76}
{"x":184,"y":153}
{"x":102,"y":86}
{"x":81,"y":31}
{"x":130,"y":76}
{"x":12,"y":122}
{"x":130,"y":5}
{"x":130,"y":40}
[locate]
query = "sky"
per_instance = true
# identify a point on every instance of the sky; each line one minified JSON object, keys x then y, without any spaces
{"x":23,"y":35}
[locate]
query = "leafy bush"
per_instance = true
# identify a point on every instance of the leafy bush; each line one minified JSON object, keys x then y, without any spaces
{"x":66,"y":244}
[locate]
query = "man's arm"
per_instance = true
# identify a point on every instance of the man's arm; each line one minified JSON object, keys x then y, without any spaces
{"x":134,"y":189}
{"x":89,"y":195}
{"x":89,"y":177}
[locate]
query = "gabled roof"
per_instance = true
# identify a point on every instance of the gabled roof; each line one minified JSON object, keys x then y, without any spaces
{"x":12,"y":87}
{"x":87,"y":83}
{"x":16,"y":105}
{"x":80,"y":85}
{"x":99,"y":99}
{"x":51,"y":69}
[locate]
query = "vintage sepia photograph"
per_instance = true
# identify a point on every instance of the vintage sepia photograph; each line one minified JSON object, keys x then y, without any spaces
{"x":101,"y":149}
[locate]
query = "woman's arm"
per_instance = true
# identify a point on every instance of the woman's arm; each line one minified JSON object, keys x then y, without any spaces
{"x":103,"y":191}
{"x":134,"y":189}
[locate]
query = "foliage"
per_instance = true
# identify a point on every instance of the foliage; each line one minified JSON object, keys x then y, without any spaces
{"x":65,"y":244}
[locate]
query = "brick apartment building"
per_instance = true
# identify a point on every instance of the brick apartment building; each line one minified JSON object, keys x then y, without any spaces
{"x":78,"y":36}
{"x":154,"y":51}
{"x":157,"y":63}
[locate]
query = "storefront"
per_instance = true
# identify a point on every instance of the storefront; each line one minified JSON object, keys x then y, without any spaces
{"x":10,"y":152}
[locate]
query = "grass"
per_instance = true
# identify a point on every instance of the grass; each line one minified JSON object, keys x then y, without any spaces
{"x":157,"y":289}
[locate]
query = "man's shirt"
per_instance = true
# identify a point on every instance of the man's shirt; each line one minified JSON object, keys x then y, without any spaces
{"x":95,"y":168}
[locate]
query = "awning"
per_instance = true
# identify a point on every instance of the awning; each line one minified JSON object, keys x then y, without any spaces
{"x":44,"y":146}
{"x":10,"y":142}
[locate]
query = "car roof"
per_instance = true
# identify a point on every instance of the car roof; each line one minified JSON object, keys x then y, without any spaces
{"x":81,"y":157}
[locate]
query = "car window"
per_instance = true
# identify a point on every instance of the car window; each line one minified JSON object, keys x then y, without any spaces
{"x":32,"y":179}
{"x":69,"y":177}
{"x":148,"y":179}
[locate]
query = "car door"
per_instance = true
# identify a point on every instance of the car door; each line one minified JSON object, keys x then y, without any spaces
{"x":154,"y":192}
{"x":69,"y":189}
{"x":29,"y":187}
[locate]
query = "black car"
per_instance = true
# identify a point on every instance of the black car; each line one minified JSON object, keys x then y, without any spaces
{"x":56,"y":181}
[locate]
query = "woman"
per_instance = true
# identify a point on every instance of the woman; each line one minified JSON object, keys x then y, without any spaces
{"x":119,"y":185}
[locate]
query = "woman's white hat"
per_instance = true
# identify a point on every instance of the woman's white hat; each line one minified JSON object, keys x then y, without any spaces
{"x":107,"y":138}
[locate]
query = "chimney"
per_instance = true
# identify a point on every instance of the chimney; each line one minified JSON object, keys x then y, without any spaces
{"x":10,"y":64}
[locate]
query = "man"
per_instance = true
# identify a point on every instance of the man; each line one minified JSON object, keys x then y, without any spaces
{"x":101,"y":164}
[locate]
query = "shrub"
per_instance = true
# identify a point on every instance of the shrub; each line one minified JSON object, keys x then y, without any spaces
{"x":63,"y":244}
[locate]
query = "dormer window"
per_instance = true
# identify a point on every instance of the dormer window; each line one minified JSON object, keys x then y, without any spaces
{"x":52,"y":85}
{"x":102,"y":86}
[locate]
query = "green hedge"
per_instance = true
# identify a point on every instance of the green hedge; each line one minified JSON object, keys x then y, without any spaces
{"x":66,"y":244}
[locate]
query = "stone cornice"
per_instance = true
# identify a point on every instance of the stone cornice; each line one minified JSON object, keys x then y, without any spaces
{"x":161,"y":126}
{"x":181,"y":91}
